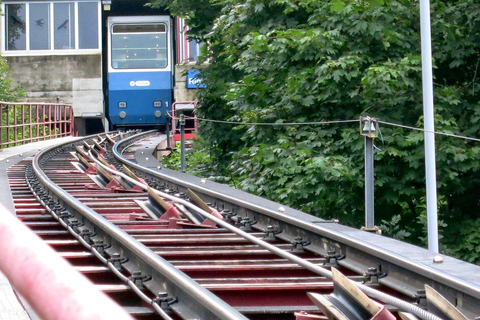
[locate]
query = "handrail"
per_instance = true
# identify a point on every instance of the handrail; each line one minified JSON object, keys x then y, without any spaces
{"x":24,"y":122}
{"x":31,"y":266}
{"x":189,"y":129}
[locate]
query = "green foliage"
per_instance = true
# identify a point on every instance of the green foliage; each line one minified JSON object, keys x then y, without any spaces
{"x":173,"y":160}
{"x":199,"y":14}
{"x":394,"y":229}
{"x":309,"y":60}
{"x":8,"y":115}
{"x":469,"y":247}
{"x":7,"y":93}
{"x":197,"y":159}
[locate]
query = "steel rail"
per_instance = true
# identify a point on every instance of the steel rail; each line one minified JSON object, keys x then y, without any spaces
{"x":371,"y":249}
{"x":210,"y":306}
{"x":376,"y":294}
{"x":319,"y":230}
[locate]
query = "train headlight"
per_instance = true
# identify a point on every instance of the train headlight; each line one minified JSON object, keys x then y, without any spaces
{"x":122,"y":114}
{"x":158,"y":113}
{"x":157,"y":104}
{"x":122,"y":104}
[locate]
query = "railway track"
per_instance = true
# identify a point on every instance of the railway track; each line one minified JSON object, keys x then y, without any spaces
{"x":188,"y":248}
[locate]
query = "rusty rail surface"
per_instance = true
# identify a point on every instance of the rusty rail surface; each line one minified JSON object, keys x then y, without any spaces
{"x":22,"y":122}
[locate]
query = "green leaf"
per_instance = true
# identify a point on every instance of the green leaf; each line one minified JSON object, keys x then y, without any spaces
{"x":337,"y":5}
{"x":259,"y":7}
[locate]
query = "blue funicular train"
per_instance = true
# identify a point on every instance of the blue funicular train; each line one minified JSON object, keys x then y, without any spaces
{"x":145,"y":54}
{"x":140,"y":70}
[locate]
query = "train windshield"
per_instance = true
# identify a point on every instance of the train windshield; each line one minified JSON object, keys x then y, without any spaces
{"x":139,"y":46}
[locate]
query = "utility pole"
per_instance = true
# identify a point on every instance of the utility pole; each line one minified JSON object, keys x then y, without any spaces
{"x":182,"y":141}
{"x":369,"y":129}
{"x":428,"y":115}
{"x":167,"y":131}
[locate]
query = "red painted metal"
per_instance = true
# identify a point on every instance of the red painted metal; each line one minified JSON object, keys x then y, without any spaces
{"x":191,"y":124}
{"x":91,"y":170}
{"x":383,"y":314}
{"x":181,"y":241}
{"x":15,"y":124}
{"x":302,"y":315}
{"x":185,"y":44}
{"x":172,"y":212}
{"x":137,"y":188}
{"x":50,"y":285}
{"x":34,"y":122}
{"x":208,"y":222}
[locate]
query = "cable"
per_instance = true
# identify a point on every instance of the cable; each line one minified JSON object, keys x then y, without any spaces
{"x":435,"y":132}
{"x":265,"y":123}
{"x":323,"y":123}
{"x":279,"y":124}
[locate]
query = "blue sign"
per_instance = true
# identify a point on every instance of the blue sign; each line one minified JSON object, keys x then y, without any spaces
{"x":193,"y":81}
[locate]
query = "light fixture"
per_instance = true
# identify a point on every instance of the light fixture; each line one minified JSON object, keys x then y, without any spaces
{"x":369,"y":127}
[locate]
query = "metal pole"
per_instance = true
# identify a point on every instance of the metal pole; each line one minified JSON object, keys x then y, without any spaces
{"x":369,"y":191}
{"x":167,"y":129}
{"x":428,"y":114}
{"x":182,"y":140}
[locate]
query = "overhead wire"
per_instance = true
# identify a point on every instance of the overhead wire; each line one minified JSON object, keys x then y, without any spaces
{"x":323,"y":123}
{"x":266,"y":123}
{"x":279,"y":123}
{"x":435,"y":132}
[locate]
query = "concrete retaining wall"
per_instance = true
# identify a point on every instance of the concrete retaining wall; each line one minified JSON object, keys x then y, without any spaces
{"x":75,"y":79}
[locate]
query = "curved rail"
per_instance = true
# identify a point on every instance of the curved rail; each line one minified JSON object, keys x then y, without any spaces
{"x":371,"y":249}
{"x":426,"y":271}
{"x":405,"y":306}
{"x":176,"y":284}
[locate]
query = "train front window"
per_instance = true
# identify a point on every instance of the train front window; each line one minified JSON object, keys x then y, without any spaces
{"x":139,"y":46}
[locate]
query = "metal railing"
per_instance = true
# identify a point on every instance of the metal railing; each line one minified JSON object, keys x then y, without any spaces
{"x":186,"y":108}
{"x":22,"y":123}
